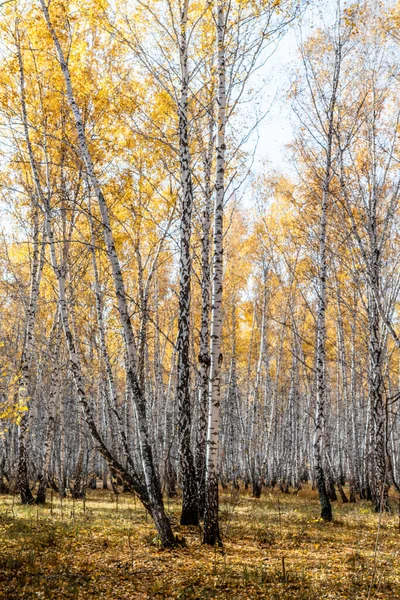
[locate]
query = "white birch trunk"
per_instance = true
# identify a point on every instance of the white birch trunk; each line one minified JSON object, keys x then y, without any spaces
{"x":211,"y":524}
{"x":320,"y":361}
{"x":190,"y":512}
{"x":204,"y":351}
{"x":25,"y":385}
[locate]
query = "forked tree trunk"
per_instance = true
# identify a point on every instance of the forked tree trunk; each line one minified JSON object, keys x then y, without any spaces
{"x":25,"y":388}
{"x":150,"y":493}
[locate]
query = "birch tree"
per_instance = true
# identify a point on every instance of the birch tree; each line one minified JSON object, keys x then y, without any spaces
{"x":211,"y":524}
{"x":152,"y":497}
{"x":324,"y":99}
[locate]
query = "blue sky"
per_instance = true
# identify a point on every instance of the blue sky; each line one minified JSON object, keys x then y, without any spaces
{"x":275,"y":131}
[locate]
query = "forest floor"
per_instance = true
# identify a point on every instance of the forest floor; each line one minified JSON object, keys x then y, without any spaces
{"x":274,"y":547}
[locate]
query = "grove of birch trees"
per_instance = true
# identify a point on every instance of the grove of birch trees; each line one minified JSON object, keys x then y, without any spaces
{"x":174,"y":317}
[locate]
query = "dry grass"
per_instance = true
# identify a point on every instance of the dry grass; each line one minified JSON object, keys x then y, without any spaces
{"x":275,"y":547}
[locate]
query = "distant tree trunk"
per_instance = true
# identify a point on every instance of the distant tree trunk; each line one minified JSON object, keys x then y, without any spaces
{"x":169,"y":470}
{"x":234,"y":426}
{"x":54,"y":345}
{"x":255,"y":439}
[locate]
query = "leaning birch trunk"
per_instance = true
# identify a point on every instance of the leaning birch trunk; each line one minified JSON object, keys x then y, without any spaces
{"x":112,"y":393}
{"x":130,"y":478}
{"x":25,"y":385}
{"x":152,"y":494}
{"x":211,"y":524}
{"x":190,"y":512}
